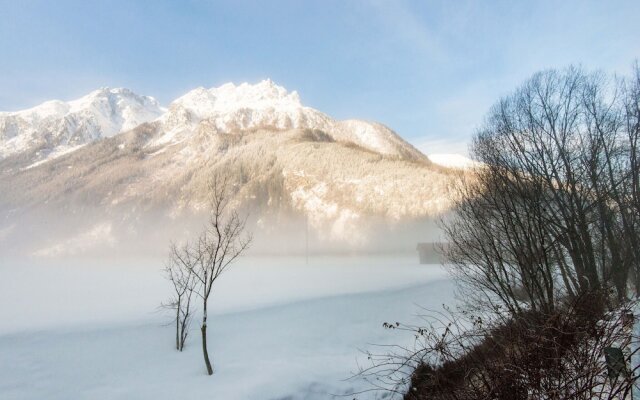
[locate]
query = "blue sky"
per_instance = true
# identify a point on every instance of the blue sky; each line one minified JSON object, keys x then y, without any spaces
{"x":428,"y":69}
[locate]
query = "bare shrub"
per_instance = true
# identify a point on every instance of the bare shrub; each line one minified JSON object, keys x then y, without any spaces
{"x":534,"y":355}
{"x":179,"y":271}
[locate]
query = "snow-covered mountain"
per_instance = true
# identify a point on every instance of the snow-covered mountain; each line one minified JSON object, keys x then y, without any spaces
{"x":230,"y":108}
{"x":57,"y":127}
{"x":131,"y":164}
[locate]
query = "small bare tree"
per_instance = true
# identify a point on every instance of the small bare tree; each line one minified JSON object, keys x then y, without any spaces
{"x":179,"y":271}
{"x":197,"y":265}
{"x":218,"y":246}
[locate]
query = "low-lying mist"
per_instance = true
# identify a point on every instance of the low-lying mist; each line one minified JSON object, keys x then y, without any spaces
{"x":93,"y":293}
{"x":90,"y":232}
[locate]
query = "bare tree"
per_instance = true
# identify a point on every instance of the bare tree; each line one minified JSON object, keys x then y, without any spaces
{"x":545,"y":240}
{"x":631,"y":120}
{"x":179,"y":271}
{"x":552,"y":212}
{"x":195,"y":266}
{"x":218,"y":246}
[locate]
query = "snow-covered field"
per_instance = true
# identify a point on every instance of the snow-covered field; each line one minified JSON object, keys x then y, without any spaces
{"x":279,"y":328}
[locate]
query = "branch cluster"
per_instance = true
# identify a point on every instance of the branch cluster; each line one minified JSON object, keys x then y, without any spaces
{"x":555,"y":209}
{"x":195,"y":266}
{"x":534,"y":355}
{"x":545,"y":247}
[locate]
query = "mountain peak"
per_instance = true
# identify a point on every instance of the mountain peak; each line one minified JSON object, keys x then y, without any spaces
{"x":205,"y":103}
{"x":119,"y":94}
{"x":56,"y":126}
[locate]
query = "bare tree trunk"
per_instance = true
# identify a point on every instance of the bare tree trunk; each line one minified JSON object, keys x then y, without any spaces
{"x":183,"y":329}
{"x":204,"y":350}
{"x":203,"y":329}
{"x":178,"y":341}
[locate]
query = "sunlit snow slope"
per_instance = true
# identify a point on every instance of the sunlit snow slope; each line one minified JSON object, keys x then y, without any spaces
{"x":56,"y":127}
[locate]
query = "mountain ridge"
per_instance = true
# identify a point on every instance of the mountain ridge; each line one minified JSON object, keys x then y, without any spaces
{"x":55,"y":127}
{"x":348,"y":181}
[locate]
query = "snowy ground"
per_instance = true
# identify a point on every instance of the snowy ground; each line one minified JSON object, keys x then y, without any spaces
{"x":279,"y":329}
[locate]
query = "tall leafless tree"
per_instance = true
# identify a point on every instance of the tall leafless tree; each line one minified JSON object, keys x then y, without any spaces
{"x":218,"y":246}
{"x":553,"y":210}
{"x":631,"y":120}
{"x":545,"y":240}
{"x":195,"y":266}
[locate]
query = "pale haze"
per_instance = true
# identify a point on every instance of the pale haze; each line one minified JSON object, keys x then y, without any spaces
{"x":312,"y":200}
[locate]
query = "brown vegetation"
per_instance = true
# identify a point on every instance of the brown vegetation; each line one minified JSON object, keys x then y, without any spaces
{"x":536,"y":355}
